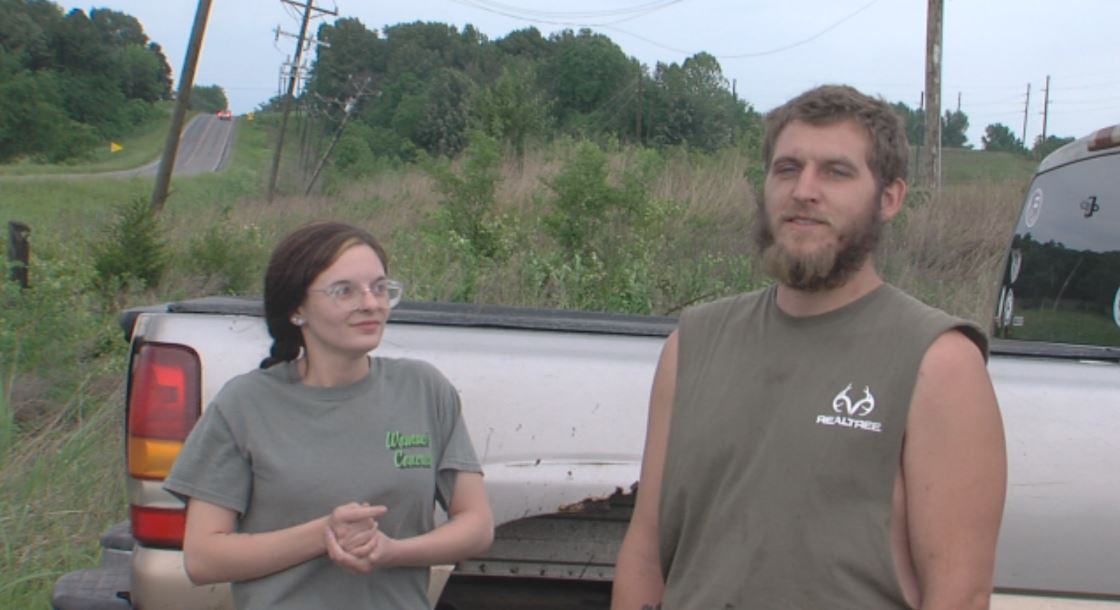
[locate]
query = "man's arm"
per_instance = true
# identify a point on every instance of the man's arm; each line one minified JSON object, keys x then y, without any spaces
{"x":955,"y":470}
{"x":638,"y":584}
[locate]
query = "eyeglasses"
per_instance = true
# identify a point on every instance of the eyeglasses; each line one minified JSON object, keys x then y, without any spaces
{"x":351,"y":295}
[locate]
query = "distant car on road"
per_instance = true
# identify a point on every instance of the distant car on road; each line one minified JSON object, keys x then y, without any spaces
{"x":225,"y":115}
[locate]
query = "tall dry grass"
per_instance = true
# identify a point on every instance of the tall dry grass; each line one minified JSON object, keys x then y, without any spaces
{"x":948,"y":250}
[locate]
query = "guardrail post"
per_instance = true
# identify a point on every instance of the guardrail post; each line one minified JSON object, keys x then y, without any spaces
{"x":19,"y":251}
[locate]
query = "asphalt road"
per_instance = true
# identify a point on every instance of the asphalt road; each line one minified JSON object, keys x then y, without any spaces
{"x":204,"y":146}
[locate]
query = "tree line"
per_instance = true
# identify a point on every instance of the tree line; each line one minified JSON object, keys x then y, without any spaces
{"x":70,"y":81}
{"x":418,"y":88}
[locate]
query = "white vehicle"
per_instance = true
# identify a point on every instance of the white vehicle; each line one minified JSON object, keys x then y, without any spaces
{"x":556,"y":405}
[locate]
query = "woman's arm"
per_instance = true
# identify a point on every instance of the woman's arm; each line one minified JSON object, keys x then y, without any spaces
{"x":468,"y":532}
{"x":214,"y":552}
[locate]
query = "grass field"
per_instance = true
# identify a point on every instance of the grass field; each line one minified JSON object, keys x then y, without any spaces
{"x":143,"y":146}
{"x":62,"y":360}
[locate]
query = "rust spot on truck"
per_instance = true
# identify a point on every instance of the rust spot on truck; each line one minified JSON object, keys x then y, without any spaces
{"x":602,"y":504}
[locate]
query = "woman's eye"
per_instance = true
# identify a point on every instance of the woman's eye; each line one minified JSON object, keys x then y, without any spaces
{"x":343,"y":290}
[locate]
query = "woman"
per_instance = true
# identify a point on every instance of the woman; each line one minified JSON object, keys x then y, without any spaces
{"x":311,"y":482}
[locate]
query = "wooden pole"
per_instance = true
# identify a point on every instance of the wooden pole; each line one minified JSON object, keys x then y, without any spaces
{"x":19,"y":251}
{"x":931,"y":175}
{"x":182,"y":99}
{"x":286,"y":105}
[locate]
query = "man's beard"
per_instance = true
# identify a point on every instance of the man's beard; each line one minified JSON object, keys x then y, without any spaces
{"x":827,"y":267}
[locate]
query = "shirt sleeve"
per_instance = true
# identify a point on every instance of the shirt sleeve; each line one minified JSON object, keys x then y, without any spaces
{"x":457,"y":454}
{"x":211,"y":466}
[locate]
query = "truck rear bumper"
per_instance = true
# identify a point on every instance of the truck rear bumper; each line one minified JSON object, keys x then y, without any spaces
{"x":93,"y":589}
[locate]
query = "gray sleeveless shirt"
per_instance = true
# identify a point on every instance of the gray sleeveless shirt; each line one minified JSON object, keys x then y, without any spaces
{"x":785,"y":439}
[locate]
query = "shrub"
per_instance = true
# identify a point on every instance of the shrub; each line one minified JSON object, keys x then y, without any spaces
{"x":230,"y":259}
{"x":131,"y":252}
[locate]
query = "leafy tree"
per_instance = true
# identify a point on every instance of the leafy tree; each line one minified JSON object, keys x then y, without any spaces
{"x":355,"y":55}
{"x":999,"y":137}
{"x":692,"y":105}
{"x":586,"y":72}
{"x":445,"y":113}
{"x":117,"y":29}
{"x":953,"y":129}
{"x":527,"y":43}
{"x":915,"y":121}
{"x":67,"y":82}
{"x":513,"y":109}
{"x":1050,"y":144}
{"x":208,"y":98}
{"x":140,"y":74}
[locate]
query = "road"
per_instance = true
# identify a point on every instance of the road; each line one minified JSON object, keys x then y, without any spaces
{"x":204,"y":146}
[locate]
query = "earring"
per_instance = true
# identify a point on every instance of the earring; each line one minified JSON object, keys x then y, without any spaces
{"x":298,"y":320}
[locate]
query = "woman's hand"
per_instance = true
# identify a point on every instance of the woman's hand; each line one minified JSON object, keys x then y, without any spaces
{"x":353,"y":539}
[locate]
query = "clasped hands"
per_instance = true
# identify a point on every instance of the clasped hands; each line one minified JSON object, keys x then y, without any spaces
{"x":354,"y":540}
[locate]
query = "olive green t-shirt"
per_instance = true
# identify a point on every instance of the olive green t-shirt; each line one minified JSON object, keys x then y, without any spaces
{"x":281,"y":453}
{"x":784,"y":443}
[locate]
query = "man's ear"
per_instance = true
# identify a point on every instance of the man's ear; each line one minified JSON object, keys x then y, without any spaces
{"x":890,"y":202}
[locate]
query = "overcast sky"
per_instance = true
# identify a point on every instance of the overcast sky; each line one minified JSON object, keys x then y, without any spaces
{"x":771,"y":49}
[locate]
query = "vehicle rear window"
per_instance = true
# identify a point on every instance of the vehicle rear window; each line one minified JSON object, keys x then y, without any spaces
{"x":1062,"y":280}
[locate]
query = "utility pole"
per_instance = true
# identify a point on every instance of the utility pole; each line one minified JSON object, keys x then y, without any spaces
{"x":348,"y":109}
{"x":292,"y":79}
{"x":1026,"y":111}
{"x":920,"y":143}
{"x":182,"y":99}
{"x":1045,"y":107}
{"x":932,"y":173}
{"x":958,"y":102}
{"x":638,"y":117}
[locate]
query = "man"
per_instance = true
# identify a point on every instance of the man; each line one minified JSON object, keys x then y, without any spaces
{"x":827,"y":443}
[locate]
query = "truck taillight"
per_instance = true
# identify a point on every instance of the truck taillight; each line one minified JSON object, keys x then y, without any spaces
{"x":163,"y":405}
{"x":164,"y":398}
{"x":158,"y":527}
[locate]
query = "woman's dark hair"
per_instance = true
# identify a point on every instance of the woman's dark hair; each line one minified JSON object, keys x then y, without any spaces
{"x":297,"y":260}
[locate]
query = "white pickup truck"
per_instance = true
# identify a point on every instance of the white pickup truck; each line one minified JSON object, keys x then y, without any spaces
{"x":556,"y":405}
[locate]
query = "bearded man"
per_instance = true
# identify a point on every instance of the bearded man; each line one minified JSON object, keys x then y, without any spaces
{"x":828,"y":442}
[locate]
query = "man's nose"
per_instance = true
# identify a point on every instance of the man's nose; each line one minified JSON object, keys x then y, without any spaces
{"x":807,"y":188}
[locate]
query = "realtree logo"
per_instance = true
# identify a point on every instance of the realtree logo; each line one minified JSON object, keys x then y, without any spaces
{"x":848,"y":411}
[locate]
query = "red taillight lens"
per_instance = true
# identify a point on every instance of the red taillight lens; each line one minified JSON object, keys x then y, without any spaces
{"x":158,"y":527}
{"x":164,"y":400}
{"x":163,"y":405}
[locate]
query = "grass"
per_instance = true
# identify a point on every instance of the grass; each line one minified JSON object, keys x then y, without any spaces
{"x":141,"y":147}
{"x":1046,"y":324}
{"x":62,"y":360}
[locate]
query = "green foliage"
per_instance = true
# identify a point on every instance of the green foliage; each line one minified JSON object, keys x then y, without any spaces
{"x":514,"y":109}
{"x":1042,"y":147}
{"x":70,"y":82}
{"x":228,"y":258}
{"x":131,"y":252}
{"x":692,"y":104}
{"x":915,"y":121}
{"x":999,"y":138}
{"x":210,"y":98}
{"x":954,"y":129}
{"x":467,"y":212}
